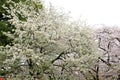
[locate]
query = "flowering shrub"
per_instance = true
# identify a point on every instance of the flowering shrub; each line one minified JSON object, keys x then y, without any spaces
{"x":46,"y":47}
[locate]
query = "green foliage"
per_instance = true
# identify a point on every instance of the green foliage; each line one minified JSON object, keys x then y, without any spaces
{"x":5,"y":16}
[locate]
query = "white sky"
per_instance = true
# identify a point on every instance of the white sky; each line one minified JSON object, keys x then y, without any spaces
{"x":94,"y":11}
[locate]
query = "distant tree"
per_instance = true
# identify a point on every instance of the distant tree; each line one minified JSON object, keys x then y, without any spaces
{"x":109,"y":43}
{"x":47,"y":47}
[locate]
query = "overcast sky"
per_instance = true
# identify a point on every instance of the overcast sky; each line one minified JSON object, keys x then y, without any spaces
{"x":94,"y":11}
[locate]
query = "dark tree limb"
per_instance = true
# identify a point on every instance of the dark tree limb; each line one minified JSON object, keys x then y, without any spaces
{"x":58,"y":57}
{"x":105,"y":62}
{"x":99,"y":42}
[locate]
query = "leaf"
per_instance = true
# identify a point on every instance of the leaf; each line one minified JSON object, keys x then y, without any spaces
{"x":2,"y":2}
{"x":16,"y":1}
{"x":20,"y":17}
{"x":3,"y":26}
{"x":2,"y":57}
{"x":23,"y":0}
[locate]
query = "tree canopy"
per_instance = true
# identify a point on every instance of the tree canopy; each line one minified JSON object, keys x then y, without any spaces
{"x":45,"y":46}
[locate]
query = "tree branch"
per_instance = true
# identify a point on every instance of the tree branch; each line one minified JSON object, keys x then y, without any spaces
{"x":99,"y":41}
{"x":58,"y":57}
